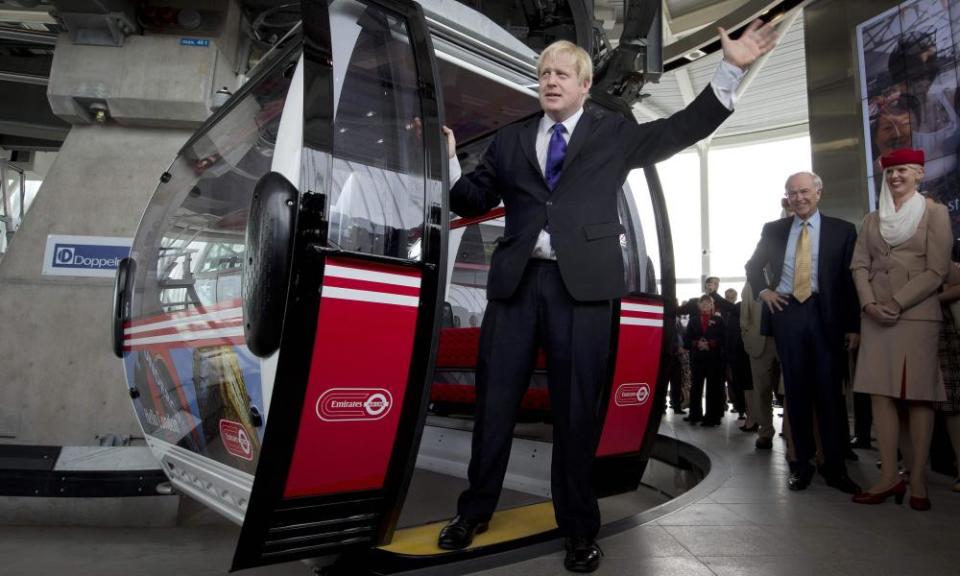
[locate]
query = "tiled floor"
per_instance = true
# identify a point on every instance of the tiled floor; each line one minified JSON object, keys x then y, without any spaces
{"x":740,"y":521}
{"x":750,"y":524}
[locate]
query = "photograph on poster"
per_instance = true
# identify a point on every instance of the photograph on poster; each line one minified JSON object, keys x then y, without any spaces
{"x":908,"y":81}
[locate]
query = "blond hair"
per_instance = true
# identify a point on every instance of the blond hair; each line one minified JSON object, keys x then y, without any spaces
{"x":581,"y":60}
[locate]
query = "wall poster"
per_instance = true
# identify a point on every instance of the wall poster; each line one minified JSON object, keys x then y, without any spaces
{"x":908,"y":84}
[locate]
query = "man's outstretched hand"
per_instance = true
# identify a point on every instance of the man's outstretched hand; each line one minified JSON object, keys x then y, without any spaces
{"x":758,"y":39}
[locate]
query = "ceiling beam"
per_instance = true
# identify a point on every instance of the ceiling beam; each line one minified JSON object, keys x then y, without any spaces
{"x":703,"y":16}
{"x":732,"y":21}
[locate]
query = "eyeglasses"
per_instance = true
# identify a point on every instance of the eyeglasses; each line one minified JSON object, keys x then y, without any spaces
{"x":793,"y":194}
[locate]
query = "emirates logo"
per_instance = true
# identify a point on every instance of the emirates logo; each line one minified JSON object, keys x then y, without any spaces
{"x":632,"y":394}
{"x":354,"y":404}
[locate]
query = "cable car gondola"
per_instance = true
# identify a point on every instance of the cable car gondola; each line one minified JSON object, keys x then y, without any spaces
{"x":297,"y":296}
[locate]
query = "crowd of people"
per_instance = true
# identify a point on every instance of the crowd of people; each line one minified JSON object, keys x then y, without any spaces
{"x":825,"y":312}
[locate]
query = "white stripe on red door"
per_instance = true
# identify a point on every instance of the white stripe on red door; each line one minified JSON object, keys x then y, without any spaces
{"x":371,"y":276}
{"x":368,"y":296}
{"x":641,"y":321}
{"x":628,"y":307}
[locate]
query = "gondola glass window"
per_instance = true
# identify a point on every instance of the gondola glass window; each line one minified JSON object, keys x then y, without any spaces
{"x":378,"y":186}
{"x":185,"y":341}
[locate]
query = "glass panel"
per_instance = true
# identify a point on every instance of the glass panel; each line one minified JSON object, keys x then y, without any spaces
{"x":680,"y":179}
{"x":197,"y":380}
{"x":467,"y":295}
{"x":642,"y":254}
{"x":378,"y":186}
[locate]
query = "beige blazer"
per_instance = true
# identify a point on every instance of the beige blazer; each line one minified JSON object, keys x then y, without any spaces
{"x":751,"y":309}
{"x":909,"y":273}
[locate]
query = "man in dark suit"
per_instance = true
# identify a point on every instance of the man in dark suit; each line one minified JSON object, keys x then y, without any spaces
{"x":557,"y":271}
{"x":710,"y":286}
{"x":813,"y":314}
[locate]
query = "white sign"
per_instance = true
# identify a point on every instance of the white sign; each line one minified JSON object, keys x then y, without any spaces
{"x":89,"y":256}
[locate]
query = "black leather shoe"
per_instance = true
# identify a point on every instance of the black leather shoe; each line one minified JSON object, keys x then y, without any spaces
{"x":843,"y":483}
{"x":693,"y":419}
{"x":764,"y":444}
{"x":799,"y":480}
{"x":583,"y":554}
{"x":458,"y":534}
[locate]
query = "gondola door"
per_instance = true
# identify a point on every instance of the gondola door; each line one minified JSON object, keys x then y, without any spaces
{"x":361,"y":280}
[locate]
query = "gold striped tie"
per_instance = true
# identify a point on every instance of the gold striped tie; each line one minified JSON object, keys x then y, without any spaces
{"x":802,"y":288}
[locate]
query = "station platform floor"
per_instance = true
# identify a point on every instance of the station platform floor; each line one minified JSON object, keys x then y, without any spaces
{"x":741,"y":520}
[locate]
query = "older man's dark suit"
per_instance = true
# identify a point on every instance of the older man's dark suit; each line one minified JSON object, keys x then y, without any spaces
{"x":566,"y":307}
{"x":810,"y":336}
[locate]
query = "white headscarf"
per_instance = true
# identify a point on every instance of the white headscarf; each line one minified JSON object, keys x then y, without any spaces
{"x":897,"y":226}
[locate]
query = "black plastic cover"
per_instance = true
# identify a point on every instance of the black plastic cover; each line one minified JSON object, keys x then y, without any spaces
{"x":123,"y":283}
{"x":267,"y":262}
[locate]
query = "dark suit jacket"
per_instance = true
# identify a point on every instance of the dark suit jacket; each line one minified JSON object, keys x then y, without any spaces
{"x":582,"y":210}
{"x":839,"y":307}
{"x":714,"y":334}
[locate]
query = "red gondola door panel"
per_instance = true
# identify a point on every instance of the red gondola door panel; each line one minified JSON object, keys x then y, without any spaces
{"x":358,"y":377}
{"x":634,"y":378}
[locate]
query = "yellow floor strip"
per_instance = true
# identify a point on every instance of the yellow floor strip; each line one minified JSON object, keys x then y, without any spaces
{"x":506,"y":525}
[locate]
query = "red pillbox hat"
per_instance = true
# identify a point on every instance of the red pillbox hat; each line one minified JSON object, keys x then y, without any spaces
{"x":902,"y":156}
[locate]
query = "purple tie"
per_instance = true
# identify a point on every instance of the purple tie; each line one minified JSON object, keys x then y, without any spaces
{"x":555,"y":154}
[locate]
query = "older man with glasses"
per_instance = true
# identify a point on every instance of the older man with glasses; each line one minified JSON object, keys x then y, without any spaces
{"x":812,"y":313}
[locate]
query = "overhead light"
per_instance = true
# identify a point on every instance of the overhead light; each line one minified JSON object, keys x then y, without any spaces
{"x":694,"y":55}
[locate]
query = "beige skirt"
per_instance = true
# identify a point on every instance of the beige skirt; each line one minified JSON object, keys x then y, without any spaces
{"x":887,"y":353}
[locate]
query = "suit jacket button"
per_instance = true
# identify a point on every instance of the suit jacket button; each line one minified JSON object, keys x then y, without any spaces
{"x":549,"y":202}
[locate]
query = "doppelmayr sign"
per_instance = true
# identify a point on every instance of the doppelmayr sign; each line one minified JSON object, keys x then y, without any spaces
{"x":91,"y":256}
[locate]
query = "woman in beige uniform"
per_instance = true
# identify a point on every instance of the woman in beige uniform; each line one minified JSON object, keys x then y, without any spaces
{"x":901,"y":259}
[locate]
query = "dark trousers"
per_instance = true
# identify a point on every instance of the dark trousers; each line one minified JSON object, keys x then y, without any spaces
{"x":808,"y":357}
{"x":740,"y":382}
{"x":575,"y":337}
{"x":676,"y":381}
{"x":707,"y":367}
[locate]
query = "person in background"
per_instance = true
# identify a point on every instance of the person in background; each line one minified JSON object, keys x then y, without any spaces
{"x":901,"y":259}
{"x":704,"y":339}
{"x":676,"y":369}
{"x":737,"y":363}
{"x":811,"y":311}
{"x":764,"y":368}
{"x":710,"y":286}
{"x":949,"y":355}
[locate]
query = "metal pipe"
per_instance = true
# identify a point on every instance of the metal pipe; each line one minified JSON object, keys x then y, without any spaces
{"x":28,"y":36}
{"x":20,"y":78}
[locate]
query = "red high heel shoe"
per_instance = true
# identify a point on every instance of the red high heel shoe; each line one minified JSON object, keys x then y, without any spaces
{"x":921,"y":504}
{"x":897,"y":491}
